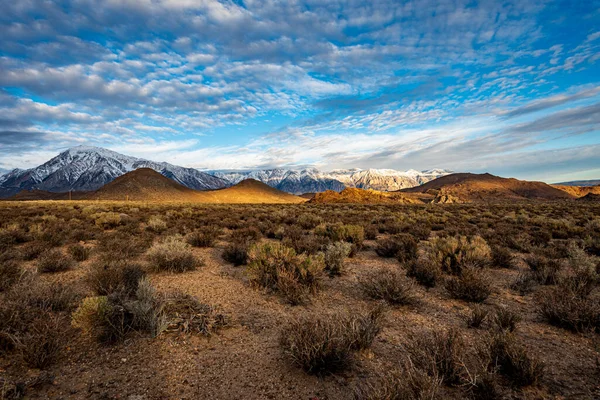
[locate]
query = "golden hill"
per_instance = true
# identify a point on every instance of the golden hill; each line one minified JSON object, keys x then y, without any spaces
{"x":579,"y":191}
{"x":363,"y":196}
{"x":487,"y":187}
{"x":248,"y":191}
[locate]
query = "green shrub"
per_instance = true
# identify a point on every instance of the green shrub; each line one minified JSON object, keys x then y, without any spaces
{"x":107,"y":220}
{"x":276,"y":267}
{"x":172,"y":255}
{"x":156,"y":224}
{"x":334,"y":257}
{"x":453,"y":253}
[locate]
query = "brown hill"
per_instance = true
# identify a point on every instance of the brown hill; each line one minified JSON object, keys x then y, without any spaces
{"x":593,"y":197}
{"x":578,"y":191}
{"x":143,"y":184}
{"x":487,"y":187}
{"x":248,"y":191}
{"x":363,"y":196}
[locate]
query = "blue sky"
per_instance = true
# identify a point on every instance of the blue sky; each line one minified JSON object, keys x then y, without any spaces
{"x":507,"y":87}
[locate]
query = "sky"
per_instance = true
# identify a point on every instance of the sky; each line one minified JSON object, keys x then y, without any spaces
{"x":506,"y":87}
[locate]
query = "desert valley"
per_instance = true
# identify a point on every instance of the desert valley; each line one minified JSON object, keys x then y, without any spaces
{"x":464,"y":286}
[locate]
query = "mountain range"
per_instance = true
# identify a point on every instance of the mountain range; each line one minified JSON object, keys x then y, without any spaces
{"x":86,"y":168}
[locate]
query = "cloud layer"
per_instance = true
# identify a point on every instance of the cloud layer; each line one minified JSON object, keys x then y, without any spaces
{"x":491,"y":85}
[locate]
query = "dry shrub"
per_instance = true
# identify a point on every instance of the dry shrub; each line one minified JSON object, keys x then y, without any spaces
{"x":453,"y":253}
{"x":402,"y":246}
{"x":335,"y":254}
{"x":110,"y":318}
{"x":569,"y":309}
{"x":10,"y":272}
{"x":506,"y":319}
{"x":42,"y":344}
{"x":53,"y":261}
{"x":525,"y":283}
{"x":276,"y":267}
{"x":439,"y":354}
{"x":477,"y":316}
{"x":172,"y":255}
{"x":119,"y":245}
{"x":505,"y":355}
{"x":545,"y":271}
{"x":107,"y":220}
{"x":204,"y":237}
{"x":408,"y":383}
{"x":156,"y":224}
{"x":119,"y":275}
{"x":326,"y":344}
{"x":389,"y":285}
{"x":425,"y":271}
{"x":502,"y":257}
{"x":473,"y":284}
{"x":79,"y":252}
{"x":237,"y":252}
{"x":32,"y":250}
{"x":186,"y":314}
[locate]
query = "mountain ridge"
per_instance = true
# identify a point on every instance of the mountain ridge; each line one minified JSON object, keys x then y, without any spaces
{"x":87,"y":168}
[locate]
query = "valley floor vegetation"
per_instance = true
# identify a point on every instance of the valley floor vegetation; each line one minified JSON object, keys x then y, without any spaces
{"x":133,"y":300}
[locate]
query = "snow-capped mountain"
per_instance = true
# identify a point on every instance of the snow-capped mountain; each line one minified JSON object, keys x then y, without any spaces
{"x":313,"y":180}
{"x":85,"y":168}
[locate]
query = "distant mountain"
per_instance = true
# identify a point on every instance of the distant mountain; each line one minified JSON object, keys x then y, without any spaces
{"x":313,"y":181}
{"x":86,"y":168}
{"x":592,"y":182}
{"x":487,"y":187}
